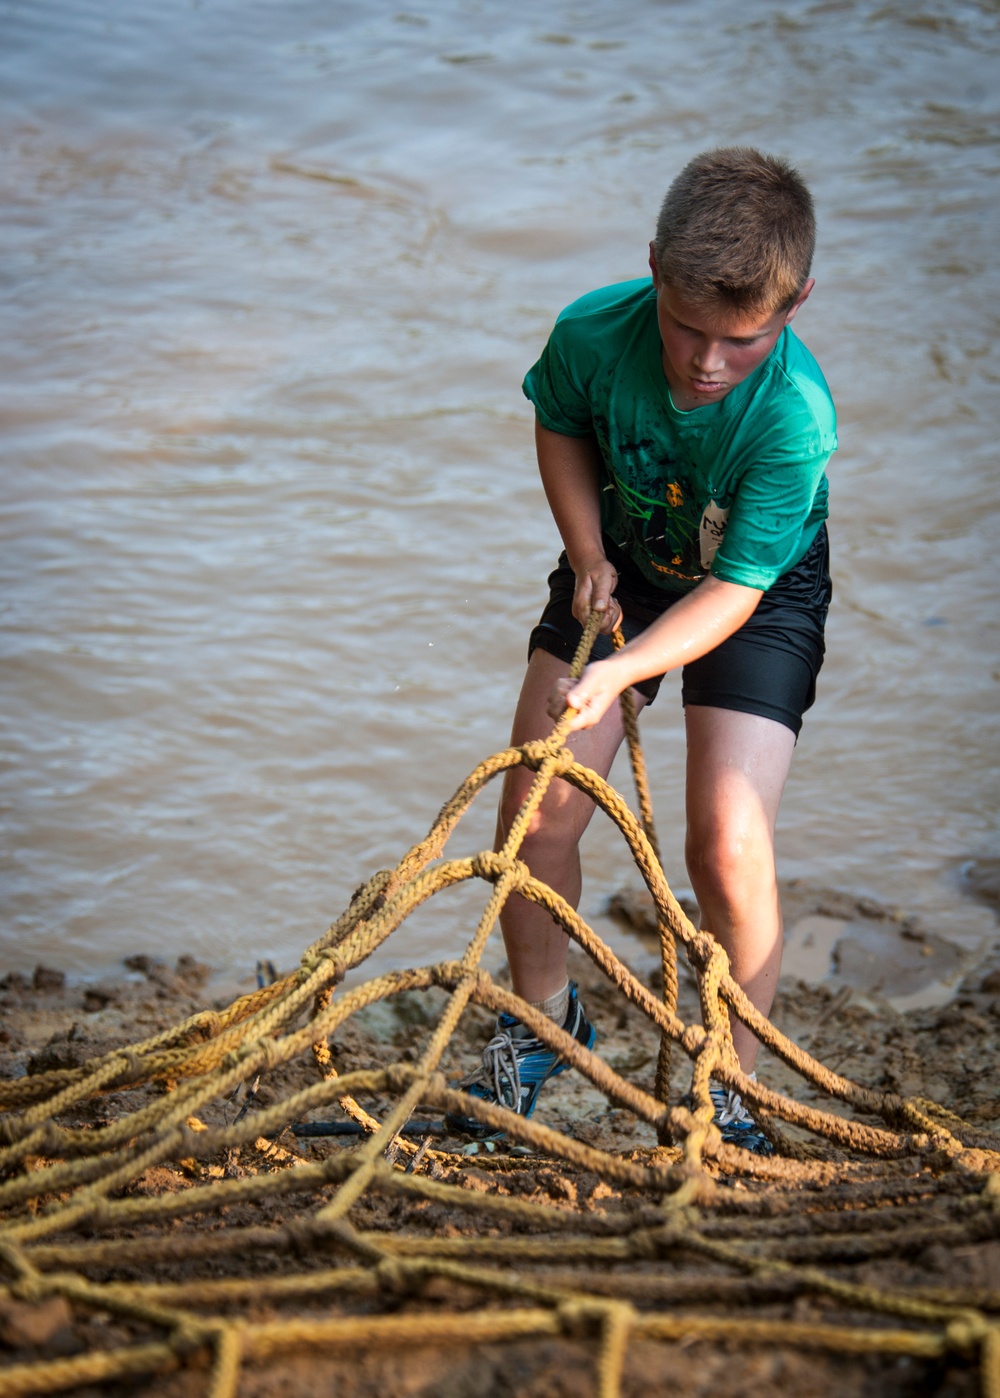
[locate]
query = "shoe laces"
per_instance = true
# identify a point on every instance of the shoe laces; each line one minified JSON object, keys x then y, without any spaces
{"x":729,"y":1107}
{"x":732,"y":1110}
{"x":500,"y":1062}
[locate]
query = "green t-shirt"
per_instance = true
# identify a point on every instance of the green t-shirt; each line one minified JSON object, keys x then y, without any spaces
{"x":735,"y":488}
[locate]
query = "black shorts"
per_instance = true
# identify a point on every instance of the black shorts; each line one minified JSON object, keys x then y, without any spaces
{"x":767,"y":667}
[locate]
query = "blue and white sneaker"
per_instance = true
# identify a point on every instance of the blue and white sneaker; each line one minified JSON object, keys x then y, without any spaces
{"x":516,"y":1066}
{"x":735,"y":1123}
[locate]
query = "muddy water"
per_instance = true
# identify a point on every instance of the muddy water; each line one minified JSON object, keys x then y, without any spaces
{"x":271,"y":532}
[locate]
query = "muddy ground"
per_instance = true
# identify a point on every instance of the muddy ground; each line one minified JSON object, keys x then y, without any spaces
{"x":948,"y":1052}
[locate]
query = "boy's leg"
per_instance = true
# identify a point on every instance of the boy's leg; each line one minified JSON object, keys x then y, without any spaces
{"x":536,"y":946}
{"x":515,"y":1065}
{"x":737,"y":764}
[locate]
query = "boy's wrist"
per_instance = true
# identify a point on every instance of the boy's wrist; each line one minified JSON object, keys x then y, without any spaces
{"x":616,"y":671}
{"x":585,"y":560}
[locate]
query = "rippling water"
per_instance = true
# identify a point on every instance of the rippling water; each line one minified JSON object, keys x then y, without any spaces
{"x":272,"y":537}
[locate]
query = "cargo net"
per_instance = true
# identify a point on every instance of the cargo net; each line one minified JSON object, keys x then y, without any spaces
{"x":264,"y":1256}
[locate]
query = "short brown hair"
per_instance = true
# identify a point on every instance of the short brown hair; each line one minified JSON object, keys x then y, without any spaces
{"x":737,"y":227}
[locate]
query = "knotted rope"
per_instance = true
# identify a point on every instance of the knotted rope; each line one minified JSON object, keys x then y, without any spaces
{"x":890,"y":1173}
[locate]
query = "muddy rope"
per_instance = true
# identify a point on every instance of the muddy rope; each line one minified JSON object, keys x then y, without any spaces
{"x":879,"y":1176}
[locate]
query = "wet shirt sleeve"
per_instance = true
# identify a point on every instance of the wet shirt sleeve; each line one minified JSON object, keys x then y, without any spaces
{"x":558,"y":387}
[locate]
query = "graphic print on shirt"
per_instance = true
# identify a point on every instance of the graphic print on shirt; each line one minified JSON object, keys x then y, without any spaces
{"x":711,"y":532}
{"x":678,"y":533}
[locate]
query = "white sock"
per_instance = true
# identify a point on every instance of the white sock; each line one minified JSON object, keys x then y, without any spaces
{"x":556,"y":1006}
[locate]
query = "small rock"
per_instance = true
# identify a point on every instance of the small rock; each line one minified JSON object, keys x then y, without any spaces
{"x":97,"y":997}
{"x":29,"y":1325}
{"x":982,"y":877}
{"x":161,"y":975}
{"x":991,"y":983}
{"x":46,"y":979}
{"x":195,"y":972}
{"x":57,"y":1054}
{"x":141,"y":963}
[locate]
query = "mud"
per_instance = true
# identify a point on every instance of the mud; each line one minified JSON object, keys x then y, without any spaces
{"x":947,"y":1052}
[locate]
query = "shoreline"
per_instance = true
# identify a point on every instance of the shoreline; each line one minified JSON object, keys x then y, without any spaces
{"x":862,"y":983}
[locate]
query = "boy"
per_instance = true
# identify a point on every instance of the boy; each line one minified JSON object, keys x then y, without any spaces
{"x":682,"y":433}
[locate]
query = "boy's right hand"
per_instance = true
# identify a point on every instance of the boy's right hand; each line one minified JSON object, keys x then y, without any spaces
{"x":595,"y":585}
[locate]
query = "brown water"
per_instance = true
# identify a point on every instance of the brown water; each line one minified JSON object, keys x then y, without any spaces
{"x":271,"y":533}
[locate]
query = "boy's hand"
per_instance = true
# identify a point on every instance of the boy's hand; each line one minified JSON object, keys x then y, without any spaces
{"x":595,"y":585}
{"x":592,"y":695}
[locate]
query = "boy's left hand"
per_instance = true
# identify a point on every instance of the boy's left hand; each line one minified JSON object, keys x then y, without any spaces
{"x":591,"y":695}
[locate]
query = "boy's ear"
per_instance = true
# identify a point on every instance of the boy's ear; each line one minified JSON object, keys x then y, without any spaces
{"x":653,"y":267}
{"x":803,"y":296}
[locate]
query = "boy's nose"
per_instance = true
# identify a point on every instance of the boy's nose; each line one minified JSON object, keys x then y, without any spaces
{"x":709,"y":358}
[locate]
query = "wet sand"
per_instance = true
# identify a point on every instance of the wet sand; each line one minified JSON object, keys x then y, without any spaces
{"x":946,"y":1050}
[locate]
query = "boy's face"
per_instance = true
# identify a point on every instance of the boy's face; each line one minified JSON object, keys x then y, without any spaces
{"x":706,"y":353}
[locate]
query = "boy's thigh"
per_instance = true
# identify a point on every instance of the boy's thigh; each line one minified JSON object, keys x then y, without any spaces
{"x":737,"y":765}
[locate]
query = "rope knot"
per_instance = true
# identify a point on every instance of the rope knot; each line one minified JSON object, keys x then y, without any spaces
{"x":32,"y":1288}
{"x":376,"y":889}
{"x":53,"y":1139}
{"x":11,"y":1130}
{"x":534,"y":753}
{"x":644,"y":1247}
{"x":338,"y":966}
{"x":539,"y":750}
{"x":492,"y":867}
{"x":967,"y":1333}
{"x":132,"y":1067}
{"x":398,"y":1076}
{"x":211,"y":1022}
{"x":302,"y":1235}
{"x":447,"y":974}
{"x":15,"y":1259}
{"x":580,"y":1319}
{"x":488,"y":865}
{"x":97,"y":1216}
{"x":189,"y":1337}
{"x":394,"y":1275}
{"x":692,"y":1039}
{"x":326,"y":956}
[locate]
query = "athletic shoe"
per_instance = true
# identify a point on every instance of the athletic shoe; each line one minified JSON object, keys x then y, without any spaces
{"x":737,"y":1126}
{"x":516,"y":1066}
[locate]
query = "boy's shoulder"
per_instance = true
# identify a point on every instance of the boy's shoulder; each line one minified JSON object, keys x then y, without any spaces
{"x":608,"y":302}
{"x":793,"y":376}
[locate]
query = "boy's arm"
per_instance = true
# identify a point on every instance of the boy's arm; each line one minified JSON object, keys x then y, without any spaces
{"x":570,"y":471}
{"x":699,"y":622}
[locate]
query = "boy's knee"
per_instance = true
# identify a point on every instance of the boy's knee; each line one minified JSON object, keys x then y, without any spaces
{"x":553,"y":822}
{"x":727,"y":862}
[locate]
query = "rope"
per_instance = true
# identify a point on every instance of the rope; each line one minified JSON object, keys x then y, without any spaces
{"x":878,"y":1177}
